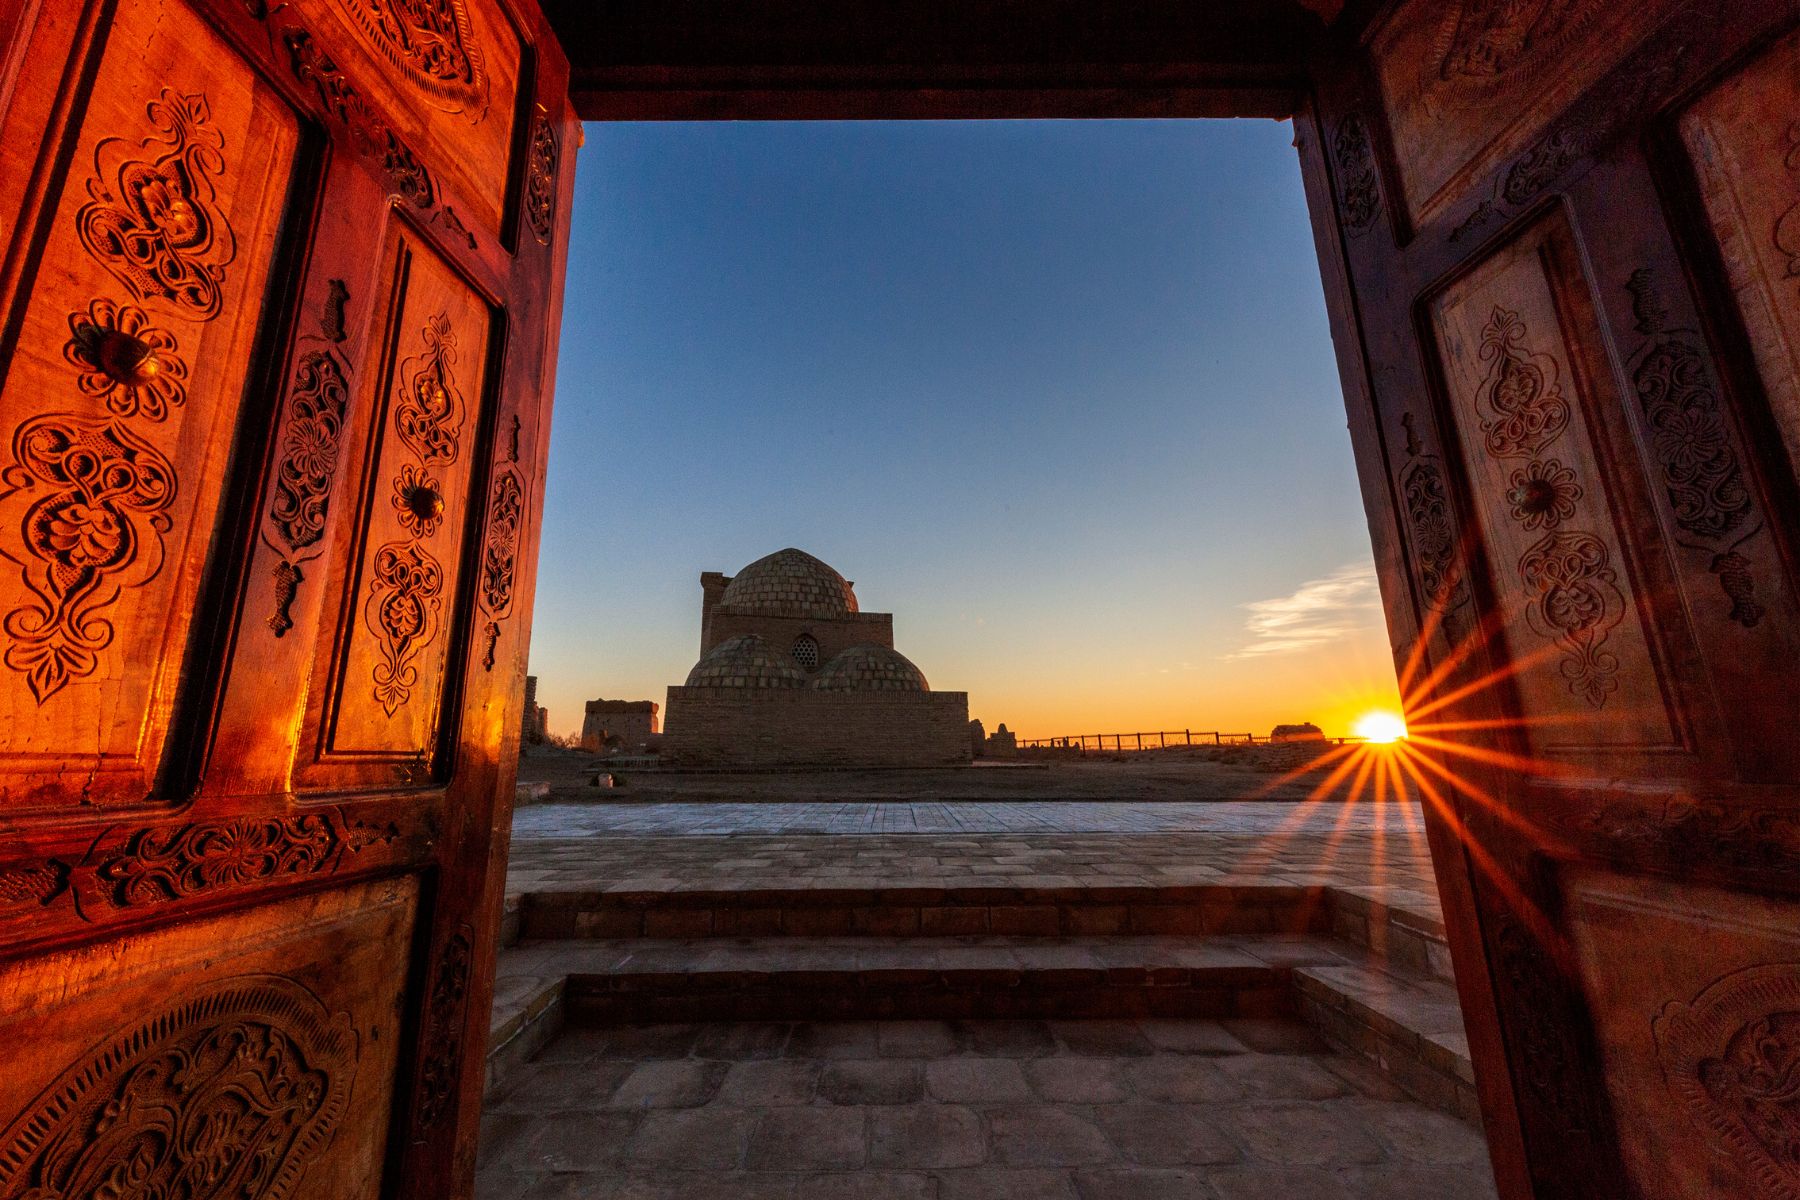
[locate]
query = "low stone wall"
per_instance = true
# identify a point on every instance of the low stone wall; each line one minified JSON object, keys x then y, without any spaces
{"x":733,"y":727}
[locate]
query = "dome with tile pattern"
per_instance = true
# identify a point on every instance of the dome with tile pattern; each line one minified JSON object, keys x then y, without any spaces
{"x":745,"y":662}
{"x":789,"y":583}
{"x":870,"y":669}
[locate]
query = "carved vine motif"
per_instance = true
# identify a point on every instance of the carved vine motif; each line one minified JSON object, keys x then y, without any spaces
{"x":442,"y":1053}
{"x":1733,"y":1057}
{"x":97,"y":497}
{"x":540,"y":179}
{"x":1575,"y":600}
{"x":432,"y":44}
{"x":230,"y":1094}
{"x":126,"y":363}
{"x":317,"y":402}
{"x":160,"y":865}
{"x":34,"y":885}
{"x":1521,"y":404}
{"x":1540,"y":1024}
{"x":1434,"y":536}
{"x":430,"y":411}
{"x":1684,"y":835}
{"x":1354,"y":152}
{"x":1485,"y":39}
{"x":500,"y":554}
{"x":403,"y":610}
{"x":151,"y":219}
{"x":371,"y":135}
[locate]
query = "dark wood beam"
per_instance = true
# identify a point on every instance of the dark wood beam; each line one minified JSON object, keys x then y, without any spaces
{"x":869,"y":59}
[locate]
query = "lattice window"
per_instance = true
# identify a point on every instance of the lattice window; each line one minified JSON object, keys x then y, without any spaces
{"x":806,"y":652}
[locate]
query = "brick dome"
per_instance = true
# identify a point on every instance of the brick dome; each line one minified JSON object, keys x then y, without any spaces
{"x":745,"y":662}
{"x":789,"y":583}
{"x":870,"y":669}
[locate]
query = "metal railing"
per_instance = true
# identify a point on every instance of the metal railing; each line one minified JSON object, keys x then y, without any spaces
{"x":1159,"y":739}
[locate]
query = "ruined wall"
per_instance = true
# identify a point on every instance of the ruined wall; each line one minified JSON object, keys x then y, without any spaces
{"x":631,"y":721}
{"x":729,"y":727}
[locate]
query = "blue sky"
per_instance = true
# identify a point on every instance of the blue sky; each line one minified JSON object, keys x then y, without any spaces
{"x":1059,"y":395}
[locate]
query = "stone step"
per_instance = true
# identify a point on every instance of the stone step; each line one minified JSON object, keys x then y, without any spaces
{"x":1408,"y":1026}
{"x":903,"y":912}
{"x":1401,"y":927}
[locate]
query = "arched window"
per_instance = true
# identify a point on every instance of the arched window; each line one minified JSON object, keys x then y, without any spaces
{"x":806,"y":651}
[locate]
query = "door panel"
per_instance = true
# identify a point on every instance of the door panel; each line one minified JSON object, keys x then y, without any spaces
{"x":1561,"y":352}
{"x":130,"y":364}
{"x":274,"y":380}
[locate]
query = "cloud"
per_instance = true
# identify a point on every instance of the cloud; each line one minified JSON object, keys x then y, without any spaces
{"x":1318,"y":612}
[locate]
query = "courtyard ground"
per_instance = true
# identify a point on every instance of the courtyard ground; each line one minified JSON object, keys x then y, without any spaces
{"x":1094,"y":980}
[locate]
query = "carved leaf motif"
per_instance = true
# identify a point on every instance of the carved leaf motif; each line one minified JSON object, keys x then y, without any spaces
{"x":403,"y":613}
{"x":429,"y":414}
{"x":540,"y":179}
{"x":309,"y":449}
{"x":371,"y":135}
{"x":1355,"y":156}
{"x":432,"y":44}
{"x":95,"y":499}
{"x":499,"y":558}
{"x":1575,"y":600}
{"x":1487,"y":38}
{"x":442,"y":1053}
{"x":1433,"y":536}
{"x":160,"y":865}
{"x":156,"y":384}
{"x":36,"y":884}
{"x":1541,"y":1021}
{"x":1700,"y":467}
{"x":1733,"y":1055}
{"x":1521,"y":404}
{"x":152,"y":221}
{"x":231,"y":1094}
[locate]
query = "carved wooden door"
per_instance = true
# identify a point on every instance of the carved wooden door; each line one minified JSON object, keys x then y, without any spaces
{"x":277,"y":312}
{"x":1562,"y":241}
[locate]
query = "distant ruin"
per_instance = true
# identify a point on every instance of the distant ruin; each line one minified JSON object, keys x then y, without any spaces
{"x":793,"y":673}
{"x":619,"y":725}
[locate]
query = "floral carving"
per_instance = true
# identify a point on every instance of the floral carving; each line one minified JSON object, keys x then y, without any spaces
{"x":1700,"y":469}
{"x":429,"y":414}
{"x":230,"y":1094}
{"x":1433,"y":537}
{"x":1688,"y":836}
{"x":1354,"y":153}
{"x":95,"y":499}
{"x":432,"y":44}
{"x":1543,"y":494}
{"x":403,"y":611}
{"x":150,"y":382}
{"x":540,"y":179}
{"x":317,"y":402}
{"x":372,"y":136}
{"x":499,"y":559}
{"x":36,"y":884}
{"x":1733,"y":1057}
{"x":442,"y":1053}
{"x":172,"y":863}
{"x":1521,"y":404}
{"x":152,"y":220}
{"x":1574,"y":599}
{"x":1485,"y":39}
{"x":418,"y":501}
{"x":1541,"y":1022}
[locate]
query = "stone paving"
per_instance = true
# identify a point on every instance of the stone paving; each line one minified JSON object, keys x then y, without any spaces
{"x":975,"y":1110}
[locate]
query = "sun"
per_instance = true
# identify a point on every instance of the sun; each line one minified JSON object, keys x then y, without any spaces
{"x":1380,"y":727}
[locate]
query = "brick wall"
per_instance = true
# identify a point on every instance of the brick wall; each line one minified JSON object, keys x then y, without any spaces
{"x":731,"y":727}
{"x":833,"y":636}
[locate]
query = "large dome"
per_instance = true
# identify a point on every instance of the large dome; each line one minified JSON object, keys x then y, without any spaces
{"x":745,"y":662}
{"x":870,"y":669}
{"x":789,"y":583}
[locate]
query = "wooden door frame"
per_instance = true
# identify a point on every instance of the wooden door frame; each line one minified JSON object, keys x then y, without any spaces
{"x":686,"y":60}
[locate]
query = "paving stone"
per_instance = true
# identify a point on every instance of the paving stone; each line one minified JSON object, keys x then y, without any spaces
{"x":1300,"y":1135}
{"x":868,"y":1185}
{"x":1286,"y":1183}
{"x":584,"y":1084}
{"x":1045,"y":1136}
{"x":1420,"y":1135}
{"x":977,"y":1081}
{"x":669,"y":1084}
{"x":1181,"y":1080}
{"x":872,"y":1081}
{"x":1282,"y":1077}
{"x":687,"y":1185}
{"x":742,"y":1039}
{"x":834,"y":1039}
{"x":806,"y":1139}
{"x":535,"y":1185}
{"x":1274,"y":1036}
{"x":1020,"y":1039}
{"x":569,"y":1141}
{"x":916,"y":1039}
{"x":769,"y":1083}
{"x":1416,"y":1183}
{"x":1076,"y":1080}
{"x":1006,"y":1184}
{"x":1140,"y":1183}
{"x":926,"y":1135}
{"x":1165,"y":1134}
{"x":629,"y":1043}
{"x":1118,"y":1038}
{"x":707,"y":1139}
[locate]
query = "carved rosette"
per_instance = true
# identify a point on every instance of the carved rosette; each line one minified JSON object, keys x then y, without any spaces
{"x":540,"y":178}
{"x":1733,"y":1057}
{"x":126,"y":363}
{"x":174,"y":863}
{"x":432,"y":44}
{"x":153,"y":221}
{"x":441,"y":1054}
{"x":229,"y":1094}
{"x":1359,"y":187}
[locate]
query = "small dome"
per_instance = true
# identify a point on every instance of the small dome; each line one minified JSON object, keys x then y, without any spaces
{"x":870,"y":669}
{"x":789,"y":583}
{"x":745,"y":662}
